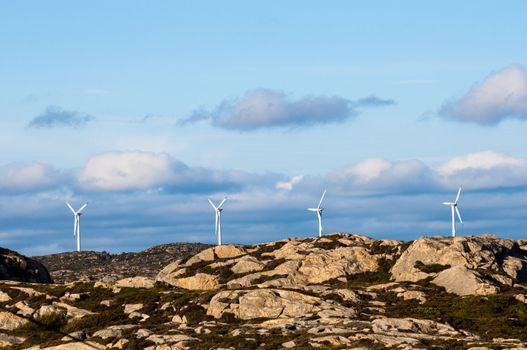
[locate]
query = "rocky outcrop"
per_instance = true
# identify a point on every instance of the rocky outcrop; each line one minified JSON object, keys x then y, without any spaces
{"x":473,"y":265}
{"x":290,"y":263}
{"x":200,"y":281}
{"x":16,"y":267}
{"x":272,"y":303}
{"x":462,"y":281}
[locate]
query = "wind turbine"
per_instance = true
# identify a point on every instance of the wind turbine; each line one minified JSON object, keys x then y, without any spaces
{"x":319,"y":210}
{"x":217,"y":227}
{"x":77,"y":223}
{"x":454,"y":208}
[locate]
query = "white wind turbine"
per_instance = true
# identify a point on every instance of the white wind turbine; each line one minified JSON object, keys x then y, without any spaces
{"x":217,"y":227}
{"x":77,"y":223}
{"x":454,"y":208}
{"x":319,"y":211}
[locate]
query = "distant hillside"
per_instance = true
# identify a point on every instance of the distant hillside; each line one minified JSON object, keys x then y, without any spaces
{"x":90,"y":265}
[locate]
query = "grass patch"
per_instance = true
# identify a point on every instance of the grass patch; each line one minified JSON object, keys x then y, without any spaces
{"x":382,"y":275}
{"x":490,"y":317}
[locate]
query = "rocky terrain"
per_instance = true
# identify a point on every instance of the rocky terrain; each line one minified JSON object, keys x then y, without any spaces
{"x":340,"y":291}
{"x":102,"y":266}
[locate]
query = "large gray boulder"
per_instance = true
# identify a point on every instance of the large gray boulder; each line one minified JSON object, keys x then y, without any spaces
{"x":16,"y":267}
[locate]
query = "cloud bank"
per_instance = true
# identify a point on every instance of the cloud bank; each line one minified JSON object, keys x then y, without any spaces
{"x":502,"y":95}
{"x":23,"y":177}
{"x":153,"y":198}
{"x":265,"y":108}
{"x":139,"y":171}
{"x":54,"y":116}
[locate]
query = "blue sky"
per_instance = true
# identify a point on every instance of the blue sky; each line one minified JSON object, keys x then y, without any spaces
{"x":147,"y":109}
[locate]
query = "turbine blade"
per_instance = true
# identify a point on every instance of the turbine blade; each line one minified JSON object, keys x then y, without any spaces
{"x":82,"y":208}
{"x":71,"y":208}
{"x":458,"y":194}
{"x":313,"y":209}
{"x":212,"y":204}
{"x":223,"y":201}
{"x":458,"y":215}
{"x":321,"y":199}
{"x":447,"y":203}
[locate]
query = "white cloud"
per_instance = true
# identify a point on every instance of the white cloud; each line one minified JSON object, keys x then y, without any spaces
{"x":378,"y":175}
{"x":480,"y":161}
{"x":502,"y":95}
{"x":485,"y":170}
{"x":119,"y":171}
{"x":21,"y":177}
{"x":289,"y":185}
{"x":135,"y":170}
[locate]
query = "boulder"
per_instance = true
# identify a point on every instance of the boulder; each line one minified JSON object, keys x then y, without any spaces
{"x":24,"y":309}
{"x":136,"y":282}
{"x":4,"y":297}
{"x":206,"y":255}
{"x":10,"y":321}
{"x":72,"y":312}
{"x":274,"y":303}
{"x":228,"y":251}
{"x":411,"y":325}
{"x":200,"y":281}
{"x":16,"y":267}
{"x":47,"y":311}
{"x":247,"y":264}
{"x":88,"y":345}
{"x":462,"y":281}
{"x":267,"y":303}
{"x":113,"y":331}
{"x":129,"y":308}
{"x":10,"y":340}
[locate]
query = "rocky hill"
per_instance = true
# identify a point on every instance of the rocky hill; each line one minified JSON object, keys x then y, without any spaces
{"x":340,"y":291}
{"x":16,"y":267}
{"x":102,"y":266}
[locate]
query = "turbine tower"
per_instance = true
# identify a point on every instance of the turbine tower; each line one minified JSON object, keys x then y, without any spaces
{"x":217,"y":227}
{"x":454,"y":208}
{"x":77,"y":223}
{"x":319,"y":210}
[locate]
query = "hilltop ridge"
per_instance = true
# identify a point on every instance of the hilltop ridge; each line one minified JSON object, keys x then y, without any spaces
{"x":97,"y":266}
{"x":340,"y":291}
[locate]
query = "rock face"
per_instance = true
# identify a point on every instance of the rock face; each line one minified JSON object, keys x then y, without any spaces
{"x":472,"y":265}
{"x":272,"y":303}
{"x":16,"y":267}
{"x":291,"y":263}
{"x":462,"y":281}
